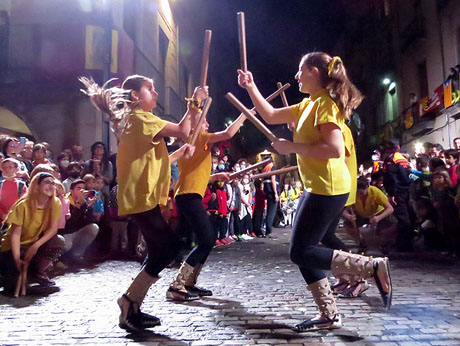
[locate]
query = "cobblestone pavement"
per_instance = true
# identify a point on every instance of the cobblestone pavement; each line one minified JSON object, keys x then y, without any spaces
{"x":258,"y":295}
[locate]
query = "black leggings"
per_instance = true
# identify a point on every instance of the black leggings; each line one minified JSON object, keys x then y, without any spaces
{"x":315,"y":214}
{"x":193,"y":215}
{"x":162,"y":243}
{"x":330,"y":240}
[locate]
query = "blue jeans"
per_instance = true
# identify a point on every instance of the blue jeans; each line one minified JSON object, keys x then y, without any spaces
{"x":272,"y":206}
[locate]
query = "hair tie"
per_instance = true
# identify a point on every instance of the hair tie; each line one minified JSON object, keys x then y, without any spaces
{"x":44,"y":175}
{"x":331,"y":65}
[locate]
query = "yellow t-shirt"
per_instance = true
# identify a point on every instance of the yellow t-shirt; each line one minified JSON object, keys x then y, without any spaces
{"x":350,"y":154}
{"x":374,"y":204}
{"x":143,"y":169}
{"x":194,"y":172}
{"x":328,"y":177}
{"x":31,"y":221}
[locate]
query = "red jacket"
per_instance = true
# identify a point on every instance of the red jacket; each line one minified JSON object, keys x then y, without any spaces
{"x":222,"y":200}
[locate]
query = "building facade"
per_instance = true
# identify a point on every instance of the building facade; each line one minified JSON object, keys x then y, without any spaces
{"x":45,"y":45}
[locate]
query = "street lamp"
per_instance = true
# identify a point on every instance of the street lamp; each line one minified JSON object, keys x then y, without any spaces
{"x":386,"y":81}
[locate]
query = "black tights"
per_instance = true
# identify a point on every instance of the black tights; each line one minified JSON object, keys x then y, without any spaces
{"x":315,"y":214}
{"x":192,"y":213}
{"x":162,"y":243}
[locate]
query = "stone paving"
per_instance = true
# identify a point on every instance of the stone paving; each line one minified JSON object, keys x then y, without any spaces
{"x":258,"y":296}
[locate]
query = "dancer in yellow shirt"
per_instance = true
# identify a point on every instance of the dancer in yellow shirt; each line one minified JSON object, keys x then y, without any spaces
{"x":319,"y":146}
{"x":143,"y":168}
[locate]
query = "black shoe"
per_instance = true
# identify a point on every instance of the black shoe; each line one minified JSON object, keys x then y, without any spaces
{"x":319,"y":323}
{"x":176,"y":294}
{"x":202,"y":292}
{"x":146,"y":320}
{"x":43,"y":281}
{"x":132,"y":322}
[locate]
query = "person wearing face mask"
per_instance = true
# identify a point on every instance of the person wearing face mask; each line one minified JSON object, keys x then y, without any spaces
{"x":221,"y":166}
{"x":215,"y":163}
{"x":63,"y":161}
{"x":73,"y":173}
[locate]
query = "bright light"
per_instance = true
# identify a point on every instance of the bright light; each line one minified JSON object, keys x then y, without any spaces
{"x":392,"y":86}
{"x":386,"y":81}
{"x":418,"y":147}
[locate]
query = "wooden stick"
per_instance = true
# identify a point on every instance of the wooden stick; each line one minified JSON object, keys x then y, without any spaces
{"x":242,"y":40}
{"x":197,"y":130}
{"x":250,"y":168}
{"x":24,"y":279}
{"x":18,"y":285}
{"x":283,"y":95}
{"x":233,"y":100}
{"x":275,"y":172}
{"x":205,"y":58}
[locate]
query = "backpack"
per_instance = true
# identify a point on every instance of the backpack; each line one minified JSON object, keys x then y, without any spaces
{"x":21,"y":186}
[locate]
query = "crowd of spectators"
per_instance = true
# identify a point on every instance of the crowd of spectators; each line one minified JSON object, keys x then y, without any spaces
{"x":400,"y":201}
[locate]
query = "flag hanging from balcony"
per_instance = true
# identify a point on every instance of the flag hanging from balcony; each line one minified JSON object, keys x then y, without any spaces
{"x":447,"y":86}
{"x":409,"y":119}
{"x":427,"y":104}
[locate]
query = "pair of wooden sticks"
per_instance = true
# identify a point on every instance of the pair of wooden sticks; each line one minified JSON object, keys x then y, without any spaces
{"x":22,"y":282}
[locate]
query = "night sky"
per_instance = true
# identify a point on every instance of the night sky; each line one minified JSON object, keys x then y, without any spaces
{"x":278,"y":33}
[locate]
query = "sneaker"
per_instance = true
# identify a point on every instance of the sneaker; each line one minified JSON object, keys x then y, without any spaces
{"x":229,"y":240}
{"x":253,"y":235}
{"x":200,"y":291}
{"x":246,"y":237}
{"x":219,"y":243}
{"x":234,"y":237}
{"x":224,"y":242}
{"x":239,"y":238}
{"x":175,"y":294}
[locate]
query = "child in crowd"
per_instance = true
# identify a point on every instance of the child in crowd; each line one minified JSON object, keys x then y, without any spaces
{"x":90,"y":186}
{"x":11,"y":188}
{"x":73,"y":173}
{"x":118,"y":225}
{"x":286,"y":205}
{"x":222,"y":210}
{"x":451,"y":157}
{"x":39,"y":155}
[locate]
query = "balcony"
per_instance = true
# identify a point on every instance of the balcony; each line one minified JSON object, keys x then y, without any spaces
{"x":413,"y":33}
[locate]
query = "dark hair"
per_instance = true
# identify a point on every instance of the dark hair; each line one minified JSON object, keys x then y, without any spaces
{"x":334,"y":78}
{"x":6,"y":143}
{"x":39,"y":147}
{"x":62,"y":156}
{"x":422,"y":160}
{"x":451,"y":152}
{"x":76,"y":182}
{"x":362,"y":183}
{"x":435,"y":163}
{"x":74,"y":164}
{"x":437,"y":146}
{"x":105,"y":158}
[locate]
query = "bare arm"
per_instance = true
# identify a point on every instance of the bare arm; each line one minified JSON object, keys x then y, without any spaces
{"x":47,"y":235}
{"x":275,"y":190}
{"x":173,"y":157}
{"x":270,"y":114}
{"x":16,"y":245}
{"x":182,"y":130}
{"x":385,"y":213}
{"x":331,"y":146}
{"x":229,"y":132}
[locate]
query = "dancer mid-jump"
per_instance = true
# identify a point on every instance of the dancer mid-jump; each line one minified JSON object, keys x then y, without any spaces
{"x":318,"y":143}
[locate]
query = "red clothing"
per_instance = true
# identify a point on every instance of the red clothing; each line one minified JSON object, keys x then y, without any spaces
{"x":206,"y":197}
{"x":453,"y":175}
{"x":9,"y":194}
{"x":259,"y":199}
{"x":222,"y":200}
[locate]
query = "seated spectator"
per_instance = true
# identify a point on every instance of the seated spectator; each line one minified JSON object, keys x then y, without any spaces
{"x":11,"y":188}
{"x":12,"y":148}
{"x":296,"y":193}
{"x":451,"y":157}
{"x":374,"y":210}
{"x":90,"y":186}
{"x":73,"y":174}
{"x":31,"y":238}
{"x":2,"y":157}
{"x":100,"y":188}
{"x":221,"y":166}
{"x":42,"y":167}
{"x":63,"y":161}
{"x":81,"y":228}
{"x":215,"y":163}
{"x":39,"y":155}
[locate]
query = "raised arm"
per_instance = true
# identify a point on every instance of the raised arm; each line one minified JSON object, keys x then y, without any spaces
{"x":270,"y":114}
{"x":182,"y":129}
{"x":229,"y":132}
{"x":173,"y":157}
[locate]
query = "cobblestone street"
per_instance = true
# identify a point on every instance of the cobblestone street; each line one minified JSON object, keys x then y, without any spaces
{"x":258,"y":296}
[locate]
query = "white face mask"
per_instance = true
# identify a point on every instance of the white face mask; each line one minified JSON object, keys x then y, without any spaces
{"x":375,"y":157}
{"x":214,"y":166}
{"x":65,"y":163}
{"x":245,"y":181}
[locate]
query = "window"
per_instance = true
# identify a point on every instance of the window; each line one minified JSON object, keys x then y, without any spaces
{"x":163,"y":46}
{"x":422,"y":79}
